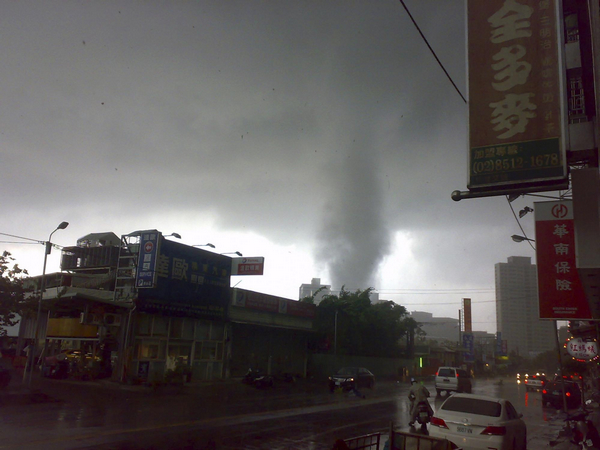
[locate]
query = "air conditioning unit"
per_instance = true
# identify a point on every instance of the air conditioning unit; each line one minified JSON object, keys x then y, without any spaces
{"x":113,"y":320}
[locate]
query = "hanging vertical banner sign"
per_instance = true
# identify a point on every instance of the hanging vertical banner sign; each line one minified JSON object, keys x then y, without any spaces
{"x":498,"y":343}
{"x":468,"y":347}
{"x":560,"y":291}
{"x":515,"y":107}
{"x":146,"y":270}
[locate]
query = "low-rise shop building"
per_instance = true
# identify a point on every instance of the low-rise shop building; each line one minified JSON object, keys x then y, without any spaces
{"x":142,"y":308}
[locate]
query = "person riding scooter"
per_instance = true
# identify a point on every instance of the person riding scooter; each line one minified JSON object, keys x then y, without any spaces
{"x":417,"y":394}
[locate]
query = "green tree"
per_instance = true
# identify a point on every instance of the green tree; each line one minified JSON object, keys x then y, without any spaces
{"x":12,"y":292}
{"x":350,"y":325}
{"x":311,"y":298}
{"x":411,"y":329}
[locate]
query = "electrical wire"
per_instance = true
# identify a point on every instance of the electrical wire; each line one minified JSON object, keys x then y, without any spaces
{"x":21,"y":237}
{"x":519,"y":223}
{"x":432,"y":291}
{"x":432,"y":51}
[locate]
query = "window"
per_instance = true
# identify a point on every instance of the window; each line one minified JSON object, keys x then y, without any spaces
{"x":188,"y":329}
{"x":161,"y":325}
{"x":209,"y":350}
{"x":217,"y":331}
{"x":511,"y":413}
{"x":446,"y":373}
{"x":202,"y":330}
{"x":150,"y":349}
{"x":176,"y":330}
{"x":576,"y":97}
{"x":180,"y":354}
{"x":144,"y":325}
{"x":469,"y":405}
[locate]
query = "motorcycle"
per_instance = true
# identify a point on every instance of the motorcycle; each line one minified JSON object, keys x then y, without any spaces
{"x":423,"y":413}
{"x":583,"y":432}
{"x":258,"y":379}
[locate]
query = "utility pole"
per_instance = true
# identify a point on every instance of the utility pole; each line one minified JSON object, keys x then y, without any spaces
{"x":560,"y":367}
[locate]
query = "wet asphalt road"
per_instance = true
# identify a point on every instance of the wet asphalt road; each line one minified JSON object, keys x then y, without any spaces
{"x":67,"y":415}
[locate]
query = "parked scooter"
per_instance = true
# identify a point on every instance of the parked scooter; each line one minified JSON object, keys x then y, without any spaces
{"x":583,"y":432}
{"x":258,"y":379}
{"x":250,"y":376}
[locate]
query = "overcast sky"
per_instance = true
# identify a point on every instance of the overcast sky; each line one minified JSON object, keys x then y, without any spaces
{"x":321,"y":135}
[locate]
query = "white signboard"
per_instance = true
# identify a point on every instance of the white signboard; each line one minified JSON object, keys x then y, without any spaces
{"x":247,"y":266}
{"x":580,"y":349}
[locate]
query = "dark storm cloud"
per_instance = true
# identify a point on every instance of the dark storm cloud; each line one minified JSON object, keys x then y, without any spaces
{"x":323,"y":125}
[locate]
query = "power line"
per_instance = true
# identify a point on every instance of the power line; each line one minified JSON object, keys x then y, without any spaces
{"x":432,"y":52}
{"x":518,"y":222}
{"x":21,"y":237}
{"x":432,"y":291}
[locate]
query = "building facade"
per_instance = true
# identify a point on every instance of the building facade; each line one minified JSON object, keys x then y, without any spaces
{"x":441,"y":329}
{"x":308,"y":290}
{"x":143,"y":308}
{"x":517,"y":309}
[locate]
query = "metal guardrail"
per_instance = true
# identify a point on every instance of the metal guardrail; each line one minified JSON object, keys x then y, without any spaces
{"x":397,"y":440}
{"x":366,"y":442}
{"x":405,"y":441}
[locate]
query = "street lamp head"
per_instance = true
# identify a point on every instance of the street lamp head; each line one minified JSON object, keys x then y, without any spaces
{"x":175,"y":235}
{"x":204,"y":245}
{"x":62,"y":225}
{"x":517,"y":238}
{"x":232,"y":253}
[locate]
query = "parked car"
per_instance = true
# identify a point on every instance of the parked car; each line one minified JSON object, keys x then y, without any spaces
{"x":479,"y":422}
{"x":350,"y":378}
{"x":452,"y":379}
{"x":535,"y":382}
{"x":552,"y":394}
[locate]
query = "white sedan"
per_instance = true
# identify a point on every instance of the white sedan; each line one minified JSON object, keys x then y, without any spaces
{"x":479,"y":422}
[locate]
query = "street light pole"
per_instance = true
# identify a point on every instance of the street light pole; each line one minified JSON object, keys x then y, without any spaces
{"x":335,"y":334}
{"x":33,"y":347}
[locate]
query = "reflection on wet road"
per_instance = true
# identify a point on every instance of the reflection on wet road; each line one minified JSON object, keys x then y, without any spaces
{"x":276,"y":419}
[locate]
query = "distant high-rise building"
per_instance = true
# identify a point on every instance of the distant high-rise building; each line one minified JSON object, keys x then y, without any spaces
{"x":517,"y":310}
{"x":308,"y":290}
{"x":437,"y":328}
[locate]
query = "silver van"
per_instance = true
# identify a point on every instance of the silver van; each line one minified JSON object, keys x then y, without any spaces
{"x":452,"y":379}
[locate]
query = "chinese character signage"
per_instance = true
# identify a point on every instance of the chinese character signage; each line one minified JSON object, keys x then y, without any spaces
{"x":560,"y":291}
{"x":515,"y":107}
{"x":247,"y":266}
{"x":579,"y":349}
{"x":269,"y":303}
{"x":146,"y":270}
{"x":469,"y":347}
{"x":188,"y":281}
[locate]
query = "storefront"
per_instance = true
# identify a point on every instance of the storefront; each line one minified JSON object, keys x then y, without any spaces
{"x":268,"y":333}
{"x":188,"y":345}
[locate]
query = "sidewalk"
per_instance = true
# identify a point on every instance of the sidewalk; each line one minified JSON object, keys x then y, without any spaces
{"x":563,"y":439}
